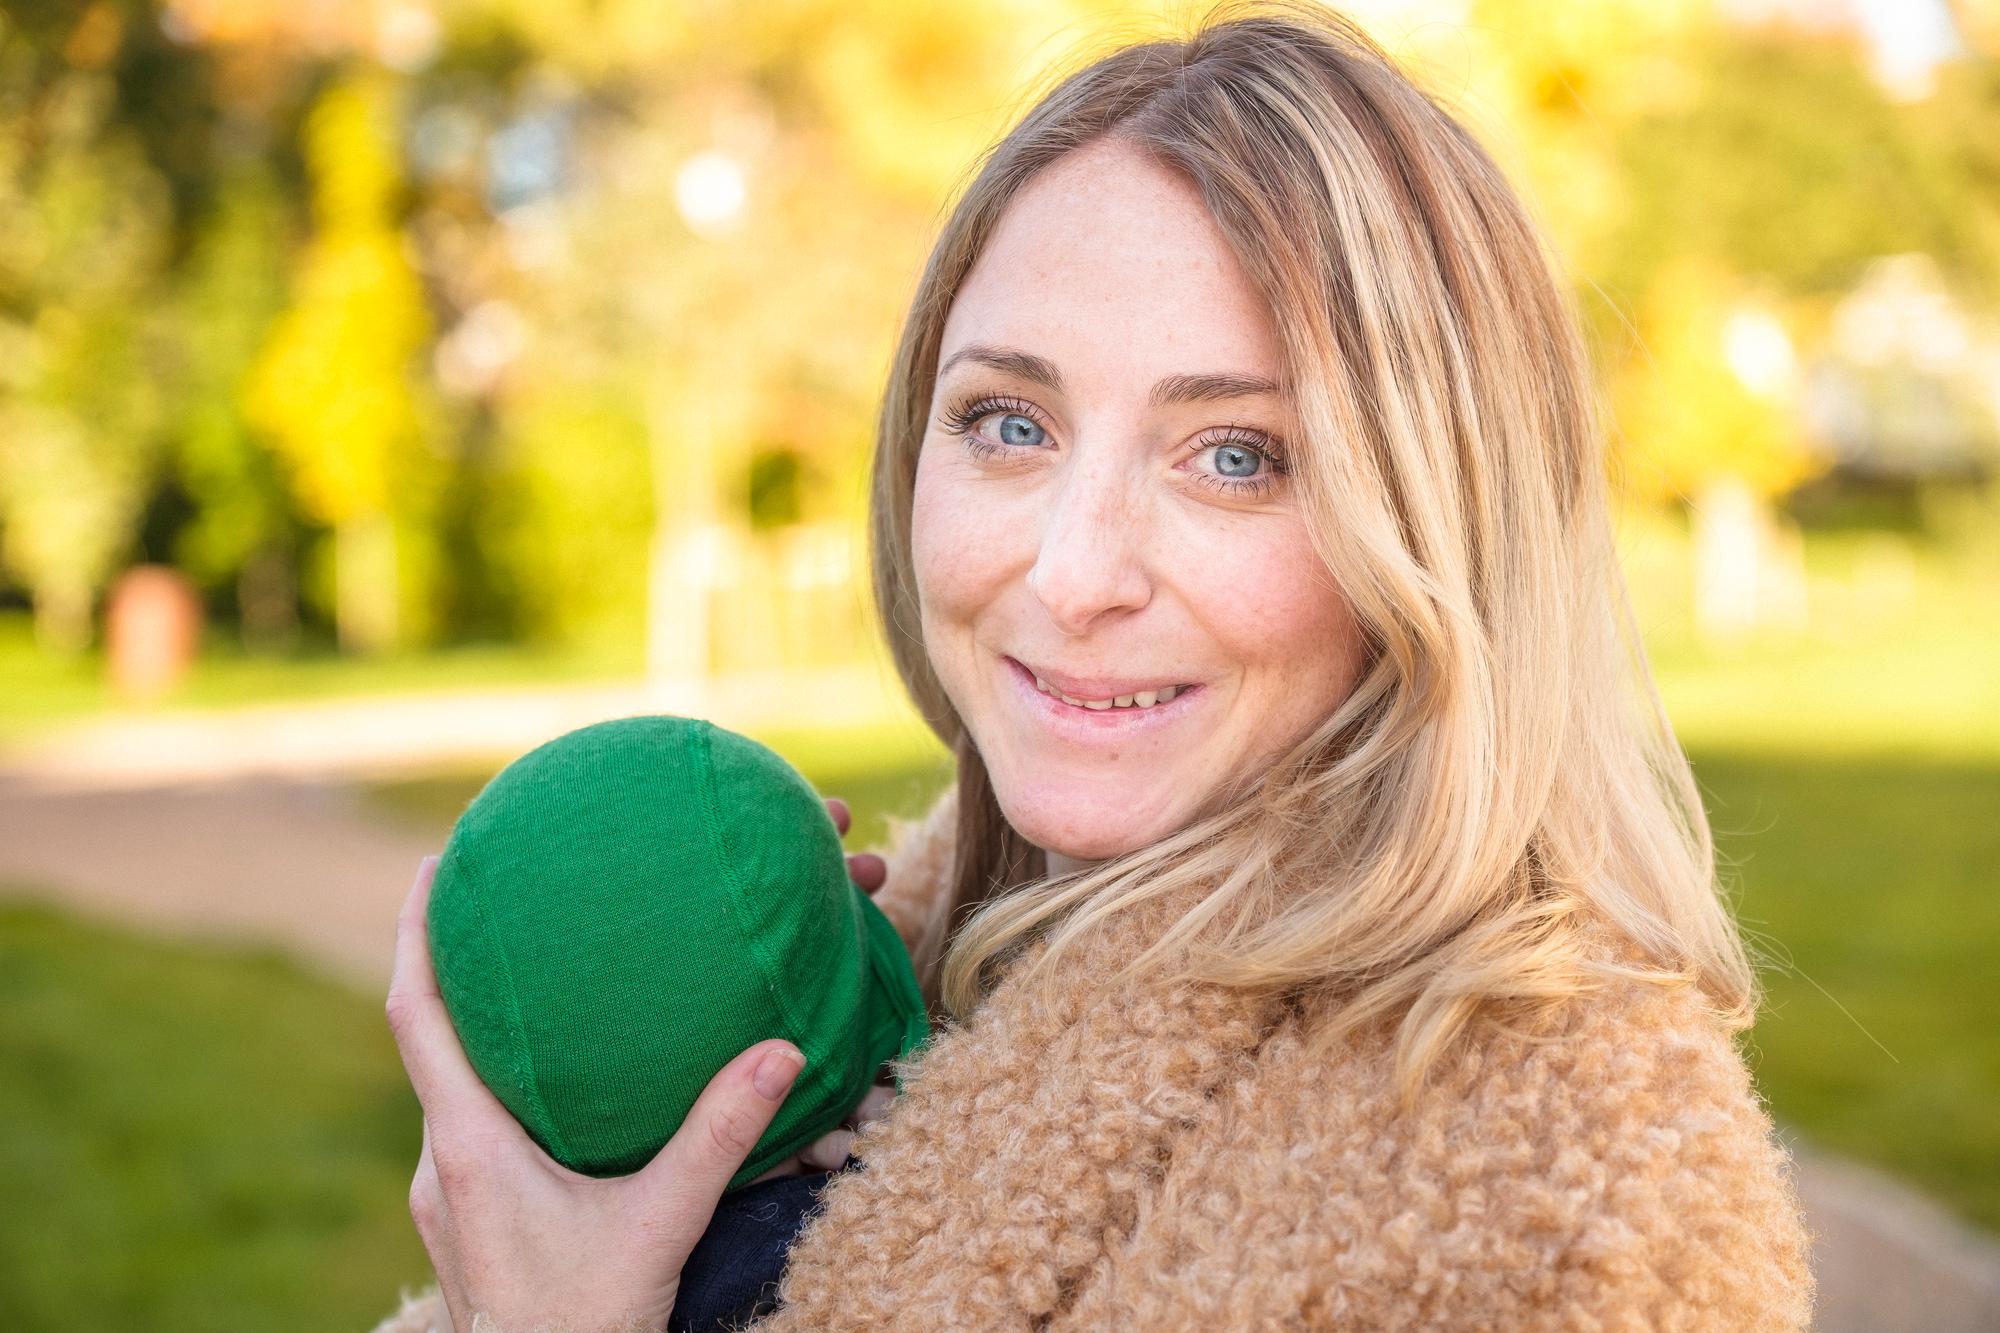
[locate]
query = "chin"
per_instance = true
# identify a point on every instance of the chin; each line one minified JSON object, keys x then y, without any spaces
{"x":1083,"y":829}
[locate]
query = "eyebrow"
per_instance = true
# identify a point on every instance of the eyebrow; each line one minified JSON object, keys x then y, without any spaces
{"x":1171,"y":390}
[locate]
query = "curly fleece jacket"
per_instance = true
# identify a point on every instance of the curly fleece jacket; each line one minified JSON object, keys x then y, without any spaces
{"x":1168,"y":1157}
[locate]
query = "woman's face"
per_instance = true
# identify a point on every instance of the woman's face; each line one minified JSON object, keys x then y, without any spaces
{"x":1098,"y":502}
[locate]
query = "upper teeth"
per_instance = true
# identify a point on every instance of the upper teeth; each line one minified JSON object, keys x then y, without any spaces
{"x":1143,"y":699}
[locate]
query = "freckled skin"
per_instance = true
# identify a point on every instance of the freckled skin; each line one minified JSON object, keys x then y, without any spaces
{"x":1086,"y":545}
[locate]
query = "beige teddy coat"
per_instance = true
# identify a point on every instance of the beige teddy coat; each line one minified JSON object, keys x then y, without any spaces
{"x":1167,"y":1157}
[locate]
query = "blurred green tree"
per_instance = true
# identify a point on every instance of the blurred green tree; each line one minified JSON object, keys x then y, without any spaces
{"x":570,"y":527}
{"x":1960,"y":127}
{"x":231,"y":288}
{"x":1784,"y":158}
{"x":669,"y":248}
{"x":82,"y":240}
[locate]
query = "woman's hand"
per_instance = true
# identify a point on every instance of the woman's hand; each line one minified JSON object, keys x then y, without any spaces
{"x":518,"y":1237}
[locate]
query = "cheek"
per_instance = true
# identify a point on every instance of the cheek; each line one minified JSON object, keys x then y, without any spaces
{"x":957,"y":545}
{"x":1274,"y":609}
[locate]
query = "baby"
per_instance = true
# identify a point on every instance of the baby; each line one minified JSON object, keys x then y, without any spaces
{"x":622,"y":911}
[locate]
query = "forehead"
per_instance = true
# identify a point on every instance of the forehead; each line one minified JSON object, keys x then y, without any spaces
{"x":1110,"y":265}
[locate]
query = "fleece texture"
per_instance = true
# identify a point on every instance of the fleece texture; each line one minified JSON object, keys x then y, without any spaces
{"x":1168,"y":1156}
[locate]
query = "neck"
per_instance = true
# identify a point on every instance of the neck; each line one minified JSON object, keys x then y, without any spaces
{"x":1060,"y":865}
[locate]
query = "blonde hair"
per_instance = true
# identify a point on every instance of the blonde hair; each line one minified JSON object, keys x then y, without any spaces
{"x":1502,"y":786}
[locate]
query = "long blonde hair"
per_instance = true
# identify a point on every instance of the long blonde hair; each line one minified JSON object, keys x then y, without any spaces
{"x":1502,"y":783}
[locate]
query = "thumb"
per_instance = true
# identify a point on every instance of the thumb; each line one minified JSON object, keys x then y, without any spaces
{"x":732,"y":1113}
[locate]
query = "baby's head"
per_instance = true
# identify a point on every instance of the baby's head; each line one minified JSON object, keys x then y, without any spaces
{"x":623,"y":910}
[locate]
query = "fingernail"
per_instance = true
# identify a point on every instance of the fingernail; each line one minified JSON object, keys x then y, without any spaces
{"x":775,"y":1072}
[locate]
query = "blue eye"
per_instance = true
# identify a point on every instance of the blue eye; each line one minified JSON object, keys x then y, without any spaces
{"x":1250,"y":465}
{"x":1251,"y":462}
{"x":1235,"y":455}
{"x":1014,"y":426}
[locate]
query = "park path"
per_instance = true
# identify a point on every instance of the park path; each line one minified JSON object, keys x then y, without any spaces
{"x":279,"y":847}
{"x":269,"y":860}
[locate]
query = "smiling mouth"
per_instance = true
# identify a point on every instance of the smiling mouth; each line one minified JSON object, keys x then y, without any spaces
{"x":1138,"y":701}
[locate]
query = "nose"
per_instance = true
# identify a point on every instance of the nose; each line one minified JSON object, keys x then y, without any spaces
{"x":1091,"y":563}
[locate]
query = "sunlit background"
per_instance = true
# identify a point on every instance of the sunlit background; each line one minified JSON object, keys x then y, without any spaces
{"x":388,"y":387}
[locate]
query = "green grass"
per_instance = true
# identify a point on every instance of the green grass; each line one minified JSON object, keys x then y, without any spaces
{"x":45,"y":692}
{"x":194,"y":1137}
{"x":1868,"y":881}
{"x":217,"y":1138}
{"x":1899,"y":654}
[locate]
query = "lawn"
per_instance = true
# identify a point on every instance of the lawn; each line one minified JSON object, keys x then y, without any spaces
{"x":217,"y":1138}
{"x":1852,"y":776}
{"x":1867,"y":883}
{"x":44,"y":692}
{"x":194,"y":1137}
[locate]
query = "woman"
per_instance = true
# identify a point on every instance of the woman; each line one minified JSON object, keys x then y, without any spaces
{"x":1326,"y":914}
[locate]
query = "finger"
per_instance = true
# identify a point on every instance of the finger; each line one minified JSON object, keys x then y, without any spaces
{"x":688,"y":1175}
{"x":868,"y":870}
{"x":842,"y":817}
{"x":829,"y":1151}
{"x":872,"y":1106}
{"x":426,"y":1197}
{"x":447,"y":1086}
{"x":433,"y":1220}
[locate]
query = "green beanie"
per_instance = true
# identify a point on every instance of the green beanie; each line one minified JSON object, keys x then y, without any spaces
{"x":625,"y":909}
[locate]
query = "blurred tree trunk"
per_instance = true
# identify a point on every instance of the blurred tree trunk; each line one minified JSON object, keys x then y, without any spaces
{"x":267,"y":599}
{"x":63,"y":604}
{"x":1748,"y":564}
{"x":365,"y":583}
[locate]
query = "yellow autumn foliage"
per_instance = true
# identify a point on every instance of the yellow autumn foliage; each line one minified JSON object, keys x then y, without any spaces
{"x":333,"y":385}
{"x":1708,"y":393}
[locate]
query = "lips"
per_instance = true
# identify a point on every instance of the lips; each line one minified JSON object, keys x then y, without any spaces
{"x":1099,"y":687}
{"x":1081,"y":725}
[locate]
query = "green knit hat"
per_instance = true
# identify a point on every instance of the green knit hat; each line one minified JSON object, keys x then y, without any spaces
{"x":625,"y":909}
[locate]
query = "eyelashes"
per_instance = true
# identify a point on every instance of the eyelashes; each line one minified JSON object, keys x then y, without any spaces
{"x":960,"y":417}
{"x":968,"y":412}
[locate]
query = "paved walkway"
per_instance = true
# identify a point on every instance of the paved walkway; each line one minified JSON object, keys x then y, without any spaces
{"x":271,"y":860}
{"x":1890,"y":1259}
{"x":164,"y":829}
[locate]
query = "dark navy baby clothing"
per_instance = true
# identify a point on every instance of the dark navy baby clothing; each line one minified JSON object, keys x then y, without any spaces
{"x":731,"y":1278}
